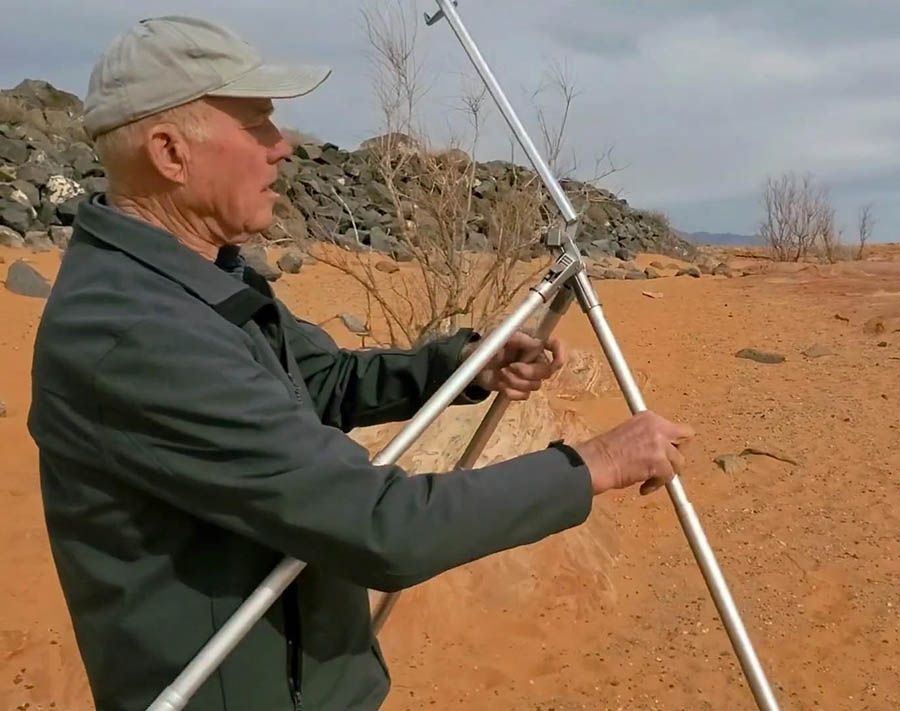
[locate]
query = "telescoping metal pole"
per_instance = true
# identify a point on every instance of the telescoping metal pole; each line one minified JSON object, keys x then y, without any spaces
{"x":386,"y":603}
{"x":690,"y":523}
{"x":176,"y":696}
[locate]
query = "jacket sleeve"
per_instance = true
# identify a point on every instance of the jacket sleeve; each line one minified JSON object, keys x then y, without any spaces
{"x":212,"y":432}
{"x":369,"y":387}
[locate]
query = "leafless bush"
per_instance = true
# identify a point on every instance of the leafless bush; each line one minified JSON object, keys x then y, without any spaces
{"x":453,"y":283}
{"x":798,"y":218}
{"x":865,"y":225}
{"x":657,"y":219}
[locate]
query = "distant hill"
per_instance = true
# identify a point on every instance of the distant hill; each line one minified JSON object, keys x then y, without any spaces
{"x":726,"y":239}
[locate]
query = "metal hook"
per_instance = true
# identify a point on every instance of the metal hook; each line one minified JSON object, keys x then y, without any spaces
{"x":439,"y":15}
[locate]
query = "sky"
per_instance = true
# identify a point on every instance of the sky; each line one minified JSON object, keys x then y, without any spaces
{"x":698,"y":100}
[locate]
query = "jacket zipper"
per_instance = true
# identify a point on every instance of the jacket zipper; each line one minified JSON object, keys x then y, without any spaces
{"x":292,"y":637}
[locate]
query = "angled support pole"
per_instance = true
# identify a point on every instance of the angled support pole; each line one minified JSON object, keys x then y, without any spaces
{"x":690,"y":523}
{"x":564,"y":281}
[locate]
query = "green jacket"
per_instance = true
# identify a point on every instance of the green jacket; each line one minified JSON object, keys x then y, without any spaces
{"x":181,"y":458}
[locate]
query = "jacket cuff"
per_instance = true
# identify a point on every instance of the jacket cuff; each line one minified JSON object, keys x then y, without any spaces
{"x":473,"y":394}
{"x":448,"y":356}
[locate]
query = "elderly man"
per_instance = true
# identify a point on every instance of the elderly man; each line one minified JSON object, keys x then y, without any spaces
{"x":192,"y":431}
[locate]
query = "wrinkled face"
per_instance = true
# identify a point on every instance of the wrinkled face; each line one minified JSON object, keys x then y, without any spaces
{"x":231,"y":170}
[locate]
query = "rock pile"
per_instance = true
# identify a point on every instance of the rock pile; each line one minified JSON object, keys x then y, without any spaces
{"x":47,"y":167}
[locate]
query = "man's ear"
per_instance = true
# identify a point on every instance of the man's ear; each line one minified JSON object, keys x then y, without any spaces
{"x":168,"y":151}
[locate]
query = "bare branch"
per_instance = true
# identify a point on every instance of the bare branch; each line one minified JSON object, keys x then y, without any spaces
{"x":865,"y":225}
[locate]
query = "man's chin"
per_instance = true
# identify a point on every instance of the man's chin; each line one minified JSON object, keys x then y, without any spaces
{"x":263,"y":222}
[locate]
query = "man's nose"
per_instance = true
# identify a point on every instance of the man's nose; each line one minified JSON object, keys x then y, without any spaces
{"x":280,"y":150}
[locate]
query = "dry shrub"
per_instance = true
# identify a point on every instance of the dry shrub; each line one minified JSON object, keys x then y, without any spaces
{"x":452,"y":285}
{"x":799,"y":219}
{"x":658,"y":220}
{"x":430,"y":193}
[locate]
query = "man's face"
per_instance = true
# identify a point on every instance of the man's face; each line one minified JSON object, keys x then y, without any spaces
{"x":231,"y":169}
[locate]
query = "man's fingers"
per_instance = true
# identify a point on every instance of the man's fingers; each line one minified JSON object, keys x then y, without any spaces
{"x":680,"y":433}
{"x":521,"y":343}
{"x":676,"y":459}
{"x":651,"y":485}
{"x":559,"y":351}
{"x":516,"y":382}
{"x":531,"y":371}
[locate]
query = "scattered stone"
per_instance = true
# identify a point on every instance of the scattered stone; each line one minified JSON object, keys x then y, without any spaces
{"x":308,"y":151}
{"x":477,"y":242}
{"x":653,"y":294}
{"x":24,"y":280}
{"x":722,"y":269}
{"x":2,"y":409}
{"x":759,"y":356}
{"x":626,"y":255}
{"x":60,"y":235}
{"x":67,"y":210}
{"x":354,"y":324}
{"x":290,"y":261}
{"x":387,"y":267}
{"x":614,"y":274}
{"x":95,"y":184}
{"x":818,"y":350}
{"x":10,"y":238}
{"x":882,"y":344}
{"x":635,"y":274}
{"x":38,"y":241}
{"x":842,"y":318}
{"x":651,"y":273}
{"x":34,"y":173}
{"x":773,"y":453}
{"x":60,"y":189}
{"x":16,"y":216}
{"x":689,"y":271}
{"x":256,"y":258}
{"x":12,"y":150}
{"x":657,"y":265}
{"x":881,"y":324}
{"x":731,"y":463}
{"x":31,"y":193}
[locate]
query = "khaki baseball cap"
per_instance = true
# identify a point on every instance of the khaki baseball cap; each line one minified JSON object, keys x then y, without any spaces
{"x":164,"y":62}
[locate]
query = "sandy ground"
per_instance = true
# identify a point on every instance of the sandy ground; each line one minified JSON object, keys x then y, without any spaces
{"x":613,"y":615}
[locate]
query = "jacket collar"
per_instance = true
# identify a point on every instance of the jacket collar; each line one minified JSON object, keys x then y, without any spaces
{"x":158,"y":250}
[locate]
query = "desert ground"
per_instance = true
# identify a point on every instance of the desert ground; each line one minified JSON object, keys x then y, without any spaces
{"x":614,"y":614}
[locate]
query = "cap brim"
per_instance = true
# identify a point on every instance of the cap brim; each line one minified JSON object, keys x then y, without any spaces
{"x":270,"y":81}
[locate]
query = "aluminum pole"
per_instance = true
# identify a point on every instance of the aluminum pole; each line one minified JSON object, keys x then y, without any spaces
{"x":703,"y":553}
{"x":706,"y":560}
{"x":498,"y":408}
{"x":176,"y":696}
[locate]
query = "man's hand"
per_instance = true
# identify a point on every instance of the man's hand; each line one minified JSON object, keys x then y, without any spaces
{"x":519,"y":368}
{"x":642,"y":450}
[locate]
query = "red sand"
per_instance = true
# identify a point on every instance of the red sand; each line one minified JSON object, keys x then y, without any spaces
{"x":811,"y":551}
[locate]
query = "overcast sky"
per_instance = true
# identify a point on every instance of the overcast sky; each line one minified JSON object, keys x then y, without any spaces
{"x":700,"y":100}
